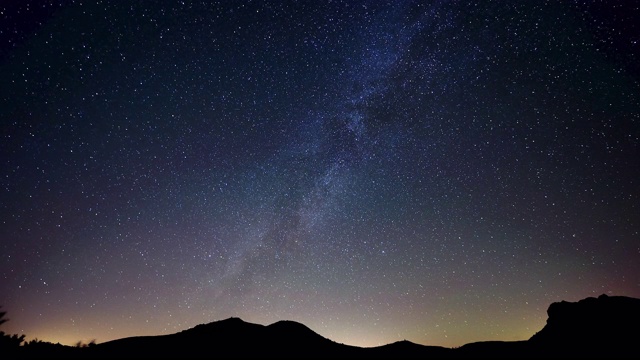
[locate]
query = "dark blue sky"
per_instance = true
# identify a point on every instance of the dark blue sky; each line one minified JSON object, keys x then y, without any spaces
{"x":432,"y":171}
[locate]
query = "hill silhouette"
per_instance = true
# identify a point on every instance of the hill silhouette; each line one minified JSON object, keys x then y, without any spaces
{"x":603,"y":327}
{"x":595,"y":327}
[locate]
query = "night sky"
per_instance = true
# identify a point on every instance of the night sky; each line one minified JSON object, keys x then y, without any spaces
{"x":433,"y":171}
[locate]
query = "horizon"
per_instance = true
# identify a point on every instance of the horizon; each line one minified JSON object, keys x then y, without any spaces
{"x":375,"y":170}
{"x":86,"y":341}
{"x":74,"y":342}
{"x":355,"y":342}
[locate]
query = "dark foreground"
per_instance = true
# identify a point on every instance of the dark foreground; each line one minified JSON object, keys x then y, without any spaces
{"x":603,"y":327}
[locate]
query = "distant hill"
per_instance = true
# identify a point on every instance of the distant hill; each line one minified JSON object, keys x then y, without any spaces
{"x":232,"y":337}
{"x":603,"y":327}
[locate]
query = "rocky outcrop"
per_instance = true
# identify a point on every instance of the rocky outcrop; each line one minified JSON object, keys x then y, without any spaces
{"x":592,"y":327}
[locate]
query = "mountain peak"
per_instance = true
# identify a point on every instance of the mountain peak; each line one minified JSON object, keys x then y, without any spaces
{"x":290,"y":325}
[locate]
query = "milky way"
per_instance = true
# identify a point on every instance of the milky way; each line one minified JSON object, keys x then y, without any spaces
{"x":432,"y":171}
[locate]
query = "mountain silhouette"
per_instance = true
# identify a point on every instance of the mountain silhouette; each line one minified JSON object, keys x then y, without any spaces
{"x":232,"y":337}
{"x":603,"y":327}
{"x":595,"y":327}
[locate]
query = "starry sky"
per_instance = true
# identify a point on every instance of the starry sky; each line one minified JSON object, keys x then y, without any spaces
{"x":436,"y":171}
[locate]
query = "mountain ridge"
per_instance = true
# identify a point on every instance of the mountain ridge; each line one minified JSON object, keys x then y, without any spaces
{"x":593,"y":327}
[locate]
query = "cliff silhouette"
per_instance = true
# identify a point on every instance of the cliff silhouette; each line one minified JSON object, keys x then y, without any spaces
{"x":594,"y":327}
{"x":603,"y":327}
